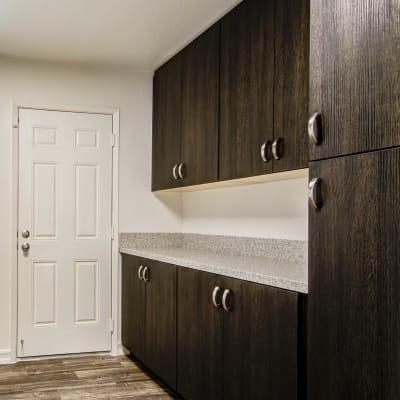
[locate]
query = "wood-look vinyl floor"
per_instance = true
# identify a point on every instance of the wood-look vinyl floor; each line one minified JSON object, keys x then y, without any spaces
{"x":91,"y":377}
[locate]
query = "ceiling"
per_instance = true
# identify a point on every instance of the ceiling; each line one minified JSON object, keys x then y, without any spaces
{"x":139,"y":33}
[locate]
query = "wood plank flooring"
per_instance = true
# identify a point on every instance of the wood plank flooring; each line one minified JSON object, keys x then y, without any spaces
{"x":91,"y":377}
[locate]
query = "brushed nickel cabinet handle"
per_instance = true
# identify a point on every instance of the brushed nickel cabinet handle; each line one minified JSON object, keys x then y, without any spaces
{"x":146,"y":276}
{"x":216,"y":292}
{"x":315,"y":128}
{"x":175,"y":172}
{"x":225,"y":296}
{"x":277,"y":148}
{"x":182,"y":170}
{"x":314,"y":193}
{"x":265,"y":151}
{"x":139,"y":273}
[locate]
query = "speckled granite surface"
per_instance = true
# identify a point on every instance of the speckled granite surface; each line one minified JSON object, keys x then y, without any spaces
{"x":279,"y":263}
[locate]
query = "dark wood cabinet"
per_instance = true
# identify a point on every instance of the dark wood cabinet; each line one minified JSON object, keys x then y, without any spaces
{"x":354,"y":279}
{"x":246,"y":89}
{"x":291,"y":82}
{"x":132,"y":306}
{"x":200,"y":97}
{"x":149,"y":314}
{"x":354,"y":75}
{"x":200,"y":327}
{"x":166,"y":124}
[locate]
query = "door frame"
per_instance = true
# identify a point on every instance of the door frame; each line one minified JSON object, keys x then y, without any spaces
{"x":114,"y":112}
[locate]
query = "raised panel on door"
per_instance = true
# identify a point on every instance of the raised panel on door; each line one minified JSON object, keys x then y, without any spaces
{"x":199,"y":336}
{"x":354,"y":75}
{"x":246,"y":89}
{"x":133,"y":306}
{"x":160,"y":331}
{"x":291,"y":83}
{"x":166,"y":124}
{"x":354,"y":279}
{"x":200,"y":96}
{"x":260,"y":342}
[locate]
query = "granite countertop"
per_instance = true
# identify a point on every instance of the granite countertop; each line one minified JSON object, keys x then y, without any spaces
{"x":276,"y":263}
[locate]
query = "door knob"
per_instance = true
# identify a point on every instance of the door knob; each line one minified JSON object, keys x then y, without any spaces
{"x":25,"y":234}
{"x":25,"y":246}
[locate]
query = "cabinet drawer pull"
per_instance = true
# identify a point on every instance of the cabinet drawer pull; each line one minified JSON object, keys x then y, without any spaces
{"x":225,"y":297}
{"x":175,"y":172}
{"x":146,"y":276}
{"x":265,"y":151}
{"x":314,"y":193}
{"x":182,"y":170}
{"x":315,"y":128}
{"x":277,"y":148}
{"x":139,"y":273}
{"x":216,"y":292}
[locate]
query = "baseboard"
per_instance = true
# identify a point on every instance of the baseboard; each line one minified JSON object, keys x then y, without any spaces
{"x":6,"y":357}
{"x":121,"y":350}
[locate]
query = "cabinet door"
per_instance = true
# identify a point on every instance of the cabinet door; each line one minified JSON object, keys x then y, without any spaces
{"x":354,"y":75}
{"x":260,"y":342}
{"x":354,"y":279}
{"x":166,"y":124}
{"x":200,"y":95}
{"x":199,"y":336}
{"x":246,"y":89}
{"x":291,"y":83}
{"x":160,"y":337}
{"x":133,"y":306}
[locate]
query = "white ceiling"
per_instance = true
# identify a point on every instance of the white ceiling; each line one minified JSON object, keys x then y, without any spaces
{"x":139,"y":33}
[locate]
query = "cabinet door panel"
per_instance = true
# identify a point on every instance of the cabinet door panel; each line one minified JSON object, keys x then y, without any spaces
{"x":354,"y":75}
{"x":260,"y":342}
{"x":199,"y":336}
{"x":354,"y":279}
{"x":160,"y":338}
{"x":246,"y":89}
{"x":200,"y":85}
{"x":133,"y":306}
{"x":291,"y":82}
{"x":166,"y":124}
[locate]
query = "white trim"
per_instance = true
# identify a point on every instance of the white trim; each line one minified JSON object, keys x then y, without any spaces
{"x":114,"y":112}
{"x":6,"y":357}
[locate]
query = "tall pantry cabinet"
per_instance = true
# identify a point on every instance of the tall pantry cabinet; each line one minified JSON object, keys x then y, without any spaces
{"x":354,"y":219}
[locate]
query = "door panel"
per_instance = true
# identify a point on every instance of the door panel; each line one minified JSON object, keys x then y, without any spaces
{"x":65,"y":182}
{"x":291,"y":83}
{"x":160,"y":337}
{"x":133,"y":306}
{"x":166,"y":124}
{"x":260,"y":342}
{"x":200,"y":332}
{"x":246,"y":89}
{"x":200,"y":88}
{"x":354,"y":279}
{"x":354,"y":75}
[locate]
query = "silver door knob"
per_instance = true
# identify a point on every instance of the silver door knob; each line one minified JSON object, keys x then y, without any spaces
{"x":225,"y":298}
{"x":182,"y":170}
{"x":277,"y":148}
{"x":315,"y":128}
{"x":146,"y":274}
{"x":25,"y":246}
{"x":139,"y":274}
{"x":175,"y":171}
{"x":314,"y":193}
{"x":25,"y":234}
{"x":216,"y":292}
{"x":265,"y":151}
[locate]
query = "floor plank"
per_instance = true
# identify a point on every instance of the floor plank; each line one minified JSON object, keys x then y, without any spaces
{"x":88,"y":377}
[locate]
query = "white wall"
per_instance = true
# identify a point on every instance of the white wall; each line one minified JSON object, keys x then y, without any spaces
{"x":267,"y":210}
{"x":129,"y":91}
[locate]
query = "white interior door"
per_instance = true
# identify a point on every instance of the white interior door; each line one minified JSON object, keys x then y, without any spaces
{"x":65,"y":203}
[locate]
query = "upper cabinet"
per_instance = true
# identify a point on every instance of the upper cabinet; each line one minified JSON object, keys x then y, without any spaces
{"x":234,"y":102}
{"x":354,"y":76}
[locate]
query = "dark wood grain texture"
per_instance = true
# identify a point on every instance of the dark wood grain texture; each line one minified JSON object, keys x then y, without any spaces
{"x":91,"y":377}
{"x":354,"y":279}
{"x":132,"y":306}
{"x":160,"y":331}
{"x":354,"y":75}
{"x":200,"y":332}
{"x":200,"y":96}
{"x":291,"y":82}
{"x":166,"y":124}
{"x":260,"y":342}
{"x":246,"y":88}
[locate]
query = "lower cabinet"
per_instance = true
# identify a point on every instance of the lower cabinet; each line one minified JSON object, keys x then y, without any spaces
{"x":236,"y":340}
{"x":149,"y":314}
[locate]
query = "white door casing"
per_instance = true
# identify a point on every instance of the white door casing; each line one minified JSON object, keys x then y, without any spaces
{"x":65,"y":201}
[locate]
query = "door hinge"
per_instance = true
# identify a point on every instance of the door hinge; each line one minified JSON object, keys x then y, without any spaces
{"x":111,"y":325}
